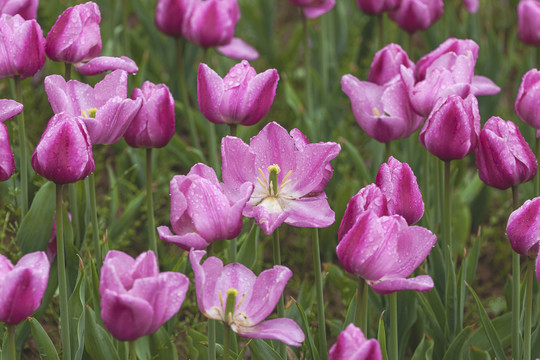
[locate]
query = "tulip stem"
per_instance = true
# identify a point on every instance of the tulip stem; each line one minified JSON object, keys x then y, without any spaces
{"x":393,"y":343}
{"x":380,"y":26}
{"x":516,"y":281}
{"x":388,"y":149}
{"x":226,"y":341}
{"x":307,"y":69}
{"x":150,"y":203}
{"x":232,"y":242}
{"x":362,"y":305}
{"x":23,"y":154}
{"x":528,"y":311}
{"x":132,"y":351}
{"x":211,"y":339}
{"x":323,"y":350}
{"x":11,"y":349}
{"x":451,"y":287}
{"x":280,"y":306}
{"x":232,"y":129}
{"x":94,"y":220}
{"x":67,"y":71}
{"x":62,"y":282}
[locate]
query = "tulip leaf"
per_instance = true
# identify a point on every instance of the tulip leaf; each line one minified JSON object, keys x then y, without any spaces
{"x":162,"y":346}
{"x":77,"y":315}
{"x":432,"y":306}
{"x":120,"y":225}
{"x":479,"y":338}
{"x":260,"y":350}
{"x":458,"y":342}
{"x":43,"y":341}
{"x":309,"y":338}
{"x":247,"y":255}
{"x":424,"y":350}
{"x":36,"y":226}
{"x":478,"y":354}
{"x":357,"y":159}
{"x":98,"y":343}
{"x":381,"y":337}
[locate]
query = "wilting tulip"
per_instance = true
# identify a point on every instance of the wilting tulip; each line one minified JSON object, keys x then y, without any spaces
{"x":8,"y":109}
{"x":64,"y":153}
{"x":503,"y":157}
{"x":23,"y":52}
{"x":252,"y":298}
{"x":387,"y":63}
{"x":241,"y":97}
{"x":398,"y":184}
{"x":75,"y":36}
{"x":384,"y":251}
{"x":414,"y":15}
{"x":105,"y":109}
{"x":528,"y":26}
{"x":374,"y":7}
{"x":527,"y":106}
{"x":315,"y":8}
{"x":136,"y":299}
{"x":153,"y":126}
{"x":351,"y":344}
{"x":203,"y":210}
{"x":170,"y":16}
{"x":384,"y":112}
{"x":284,"y":176}
{"x":451,"y":130}
{"x":26,"y":8}
{"x":471,"y":5}
{"x":23,"y":286}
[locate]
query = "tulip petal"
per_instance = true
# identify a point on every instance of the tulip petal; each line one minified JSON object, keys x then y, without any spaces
{"x":421,"y":283}
{"x":210,"y":91}
{"x":414,"y":245}
{"x":206,"y":277}
{"x":282,"y":329}
{"x":146,"y":265}
{"x":238,"y":49}
{"x":173,"y":289}
{"x":482,"y":85}
{"x":309,"y":211}
{"x":523,"y":228}
{"x":102,"y":64}
{"x":274,"y":145}
{"x":258,"y":97}
{"x":313,"y":12}
{"x":268,"y":221}
{"x":186,"y":241}
{"x":7,"y":160}
{"x":238,"y":162}
{"x":9,"y":109}
{"x":116,"y":272}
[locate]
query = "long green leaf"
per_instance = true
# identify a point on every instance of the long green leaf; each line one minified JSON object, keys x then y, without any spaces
{"x":381,"y":337}
{"x":98,"y":343}
{"x":260,"y":350}
{"x":424,"y":350}
{"x":309,"y":338}
{"x":43,"y":341}
{"x":454,"y":350}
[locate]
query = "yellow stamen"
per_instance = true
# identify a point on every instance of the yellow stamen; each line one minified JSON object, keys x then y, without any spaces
{"x":376,"y":112}
{"x":260,"y":182}
{"x":263,"y":177}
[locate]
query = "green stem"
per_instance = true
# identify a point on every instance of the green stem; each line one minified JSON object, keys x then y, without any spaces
{"x":323,"y":349}
{"x":67,"y":71}
{"x":132,"y":351}
{"x":307,"y":69}
{"x":362,"y":306}
{"x":226,"y":341}
{"x":233,"y":129}
{"x":12,"y":350}
{"x":211,"y":339}
{"x":516,"y":281}
{"x":528,"y":311}
{"x":447,"y":216}
{"x":94,"y":220}
{"x":388,"y":149}
{"x":232,"y":242}
{"x":62,"y":282}
{"x":280,"y":306}
{"x":393,"y":343}
{"x":380,"y":26}
{"x":451,"y":288}
{"x":150,"y":203}
{"x":23,"y":150}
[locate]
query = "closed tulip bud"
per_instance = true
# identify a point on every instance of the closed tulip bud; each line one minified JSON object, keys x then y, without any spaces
{"x":471,"y":5}
{"x":315,"y":8}
{"x":23,"y":46}
{"x":374,"y":7}
{"x":170,"y":16}
{"x":351,"y":344}
{"x":503,"y":157}
{"x":528,"y":25}
{"x":414,"y":15}
{"x":64,"y":153}
{"x":386,"y":64}
{"x":26,"y":8}
{"x":527,"y":106}
{"x":451,"y":130}
{"x":241,"y":97}
{"x":153,"y":126}
{"x":8,"y":109}
{"x":23,"y":286}
{"x":75,"y":36}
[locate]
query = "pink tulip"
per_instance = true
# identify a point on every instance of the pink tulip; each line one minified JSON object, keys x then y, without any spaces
{"x":23,"y":52}
{"x":136,"y":299}
{"x":351,"y":344}
{"x":528,"y":26}
{"x":104,"y":109}
{"x":315,"y":8}
{"x":8,"y":109}
{"x":153,"y":126}
{"x":103,"y":64}
{"x":284,"y":177}
{"x":64,"y":153}
{"x":387,"y":63}
{"x":471,"y":5}
{"x":527,"y":106}
{"x":75,"y":37}
{"x":255,"y":298}
{"x":414,"y":15}
{"x":203,"y":210}
{"x":23,"y":286}
{"x":385,"y":251}
{"x":375,"y":7}
{"x":26,"y":8}
{"x":242,"y":97}
{"x":170,"y":16}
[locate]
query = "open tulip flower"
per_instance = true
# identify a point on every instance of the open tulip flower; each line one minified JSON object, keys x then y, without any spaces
{"x":285,"y":177}
{"x":384,"y":251}
{"x":8,"y":109}
{"x":136,"y":299}
{"x":351,"y":344}
{"x":315,"y":8}
{"x":105,"y":109}
{"x":234,"y":295}
{"x":203,"y":210}
{"x":23,"y":286}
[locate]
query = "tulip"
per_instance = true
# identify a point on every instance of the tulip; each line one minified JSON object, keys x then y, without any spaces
{"x":203,"y":210}
{"x":254,"y":298}
{"x":398,"y":184}
{"x":75,"y":36}
{"x":284,"y":177}
{"x":528,"y":26}
{"x":503,"y":157}
{"x":526,"y":105}
{"x":136,"y":299}
{"x":242,"y":97}
{"x":64,"y":153}
{"x":8,"y":109}
{"x":351,"y":344}
{"x":414,"y":15}
{"x":375,"y":7}
{"x":385,"y":251}
{"x":471,"y":5}
{"x":23,"y":286}
{"x":384,"y":112}
{"x":23,"y":44}
{"x":104,"y":109}
{"x":25,"y":8}
{"x":170,"y":16}
{"x":153,"y":126}
{"x":451,"y":130}
{"x":386,"y":64}
{"x":315,"y":8}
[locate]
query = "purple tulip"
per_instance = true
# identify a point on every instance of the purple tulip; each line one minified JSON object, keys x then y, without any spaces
{"x":153,"y":126}
{"x":23,"y":286}
{"x":315,"y":8}
{"x":75,"y":37}
{"x":27,"y":9}
{"x":103,"y":64}
{"x":242,"y":97}
{"x":23,"y":52}
{"x":284,"y":177}
{"x":170,"y":16}
{"x":255,"y":298}
{"x":375,"y":7}
{"x":385,"y":251}
{"x":136,"y":299}
{"x":8,"y":109}
{"x":471,"y":5}
{"x":351,"y":344}
{"x":384,"y":112}
{"x":387,"y":63}
{"x":211,"y":23}
{"x":105,"y":110}
{"x":503,"y":157}
{"x":451,"y":130}
{"x":203,"y":210}
{"x":414,"y":15}
{"x":528,"y":26}
{"x":527,"y":105}
{"x":398,"y":184}
{"x":64,"y":153}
